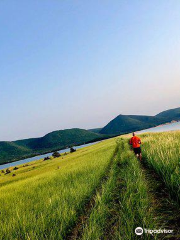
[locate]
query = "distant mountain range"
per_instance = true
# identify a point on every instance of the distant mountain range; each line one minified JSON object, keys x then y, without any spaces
{"x":15,"y":150}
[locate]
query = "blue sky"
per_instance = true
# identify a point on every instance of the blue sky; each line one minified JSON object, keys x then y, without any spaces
{"x":67,"y":64}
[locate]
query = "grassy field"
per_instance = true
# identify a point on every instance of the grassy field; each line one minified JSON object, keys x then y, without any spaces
{"x":98,"y":192}
{"x":44,"y":202}
{"x":123,"y":204}
{"x":161,"y":151}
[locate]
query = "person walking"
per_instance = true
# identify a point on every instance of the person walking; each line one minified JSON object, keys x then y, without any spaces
{"x":136,"y":145}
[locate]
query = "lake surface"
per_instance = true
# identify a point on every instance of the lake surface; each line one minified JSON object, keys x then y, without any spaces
{"x":163,"y":128}
{"x":19,"y":162}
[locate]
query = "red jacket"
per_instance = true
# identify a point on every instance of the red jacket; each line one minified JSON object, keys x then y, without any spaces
{"x":135,"y":142}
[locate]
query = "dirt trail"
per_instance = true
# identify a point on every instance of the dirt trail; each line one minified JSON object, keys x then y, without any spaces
{"x":166,"y":210}
{"x":77,"y":231}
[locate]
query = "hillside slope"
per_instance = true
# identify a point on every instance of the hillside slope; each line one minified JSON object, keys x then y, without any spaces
{"x":56,"y":140}
{"x":128,"y":123}
{"x":171,"y":114}
{"x":95,"y":130}
{"x":10,"y":151}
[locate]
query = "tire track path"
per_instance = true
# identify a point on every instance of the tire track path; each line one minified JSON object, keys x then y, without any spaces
{"x":77,"y":231}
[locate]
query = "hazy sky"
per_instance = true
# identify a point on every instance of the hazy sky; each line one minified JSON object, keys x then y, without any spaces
{"x":67,"y":64}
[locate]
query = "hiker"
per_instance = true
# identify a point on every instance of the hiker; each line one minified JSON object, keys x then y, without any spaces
{"x":136,"y":145}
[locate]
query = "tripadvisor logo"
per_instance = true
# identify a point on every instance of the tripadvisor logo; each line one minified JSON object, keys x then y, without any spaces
{"x":138,"y":231}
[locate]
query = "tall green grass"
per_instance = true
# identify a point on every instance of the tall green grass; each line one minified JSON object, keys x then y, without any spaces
{"x":95,"y":228}
{"x":124,"y":204}
{"x":161,"y":151}
{"x":45,"y":198}
{"x":46,"y":203}
{"x":135,"y":201}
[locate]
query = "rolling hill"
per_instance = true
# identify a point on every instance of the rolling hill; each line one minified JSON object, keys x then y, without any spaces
{"x":56,"y":140}
{"x":15,"y":150}
{"x":129,"y":123}
{"x":172,"y":114}
{"x":95,"y":130}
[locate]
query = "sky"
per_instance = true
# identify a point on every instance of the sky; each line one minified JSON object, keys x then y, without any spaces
{"x":67,"y":64}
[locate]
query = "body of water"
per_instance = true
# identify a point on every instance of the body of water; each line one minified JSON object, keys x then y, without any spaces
{"x":19,"y":162}
{"x":163,"y":128}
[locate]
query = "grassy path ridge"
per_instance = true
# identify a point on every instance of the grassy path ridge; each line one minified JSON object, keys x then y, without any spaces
{"x":77,"y":231}
{"x":133,"y":204}
{"x":124,"y":202}
{"x":94,"y":228}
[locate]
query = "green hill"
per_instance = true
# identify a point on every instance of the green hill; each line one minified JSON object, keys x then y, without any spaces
{"x":172,"y":114}
{"x":10,"y":151}
{"x":129,"y":123}
{"x":95,"y":130}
